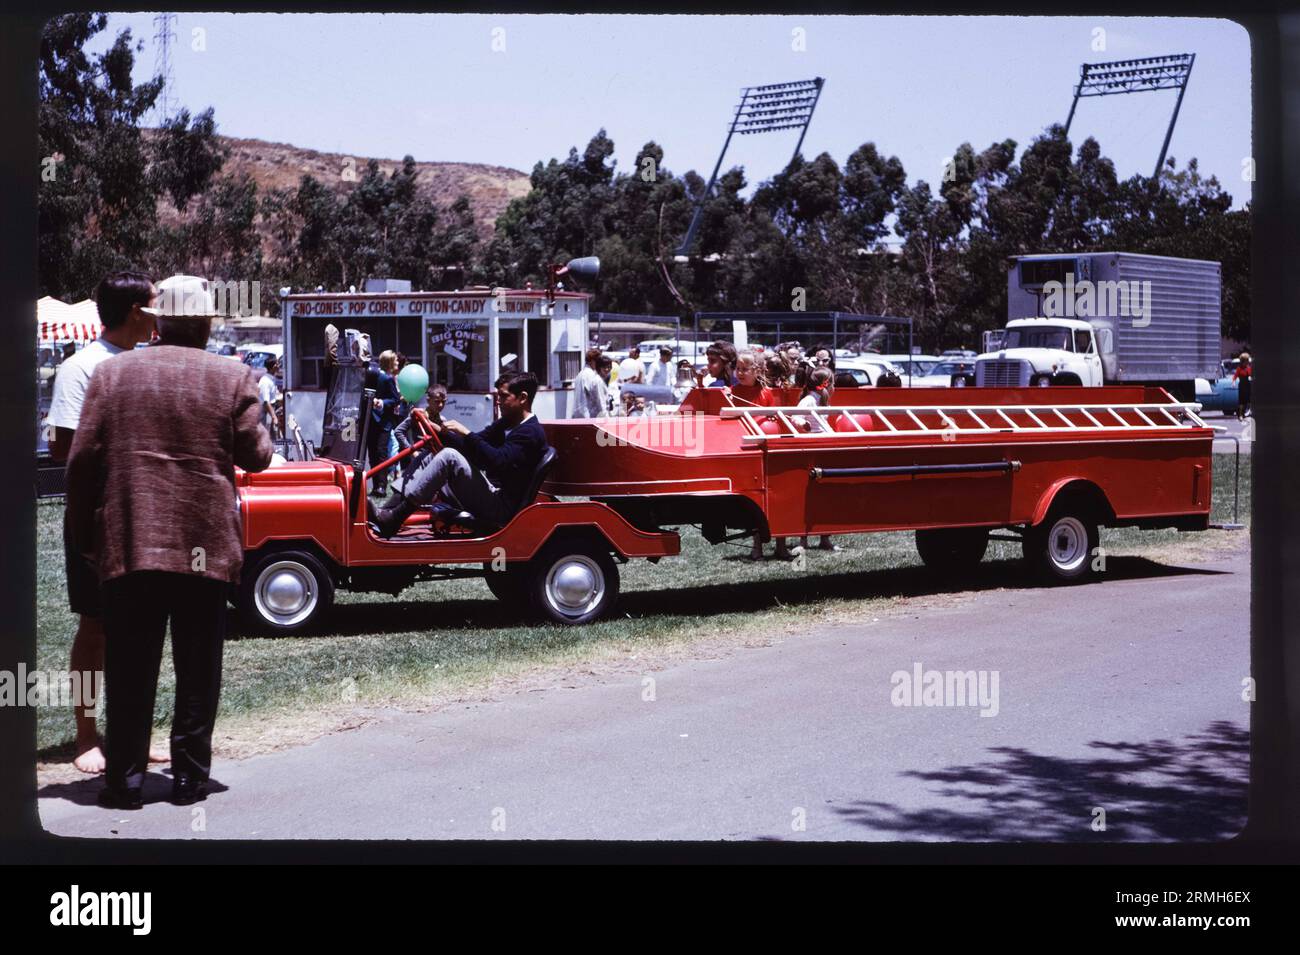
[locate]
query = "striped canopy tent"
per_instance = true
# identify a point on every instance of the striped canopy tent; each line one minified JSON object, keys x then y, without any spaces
{"x":60,"y":322}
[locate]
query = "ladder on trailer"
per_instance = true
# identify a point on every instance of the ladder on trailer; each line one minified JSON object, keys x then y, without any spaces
{"x":948,"y":421}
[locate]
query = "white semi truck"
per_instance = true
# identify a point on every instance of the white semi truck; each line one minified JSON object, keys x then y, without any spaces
{"x":1107,"y":318}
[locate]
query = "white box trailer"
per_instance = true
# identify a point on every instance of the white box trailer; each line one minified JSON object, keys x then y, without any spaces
{"x":1154,"y":320}
{"x":465,"y":339}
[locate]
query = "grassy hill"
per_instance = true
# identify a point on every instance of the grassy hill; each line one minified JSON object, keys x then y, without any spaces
{"x":281,"y":166}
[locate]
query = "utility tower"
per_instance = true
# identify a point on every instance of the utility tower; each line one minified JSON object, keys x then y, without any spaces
{"x":163,"y":39}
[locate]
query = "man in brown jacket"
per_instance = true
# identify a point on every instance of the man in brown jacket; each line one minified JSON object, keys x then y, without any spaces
{"x":152,"y":500}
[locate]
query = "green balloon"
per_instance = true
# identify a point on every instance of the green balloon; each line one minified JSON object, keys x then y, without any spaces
{"x":413,"y":382}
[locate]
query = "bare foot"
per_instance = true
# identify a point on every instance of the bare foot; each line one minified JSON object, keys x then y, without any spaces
{"x":90,"y":760}
{"x":157,"y":755}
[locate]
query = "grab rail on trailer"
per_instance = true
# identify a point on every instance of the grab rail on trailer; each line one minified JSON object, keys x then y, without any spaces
{"x":967,"y":419}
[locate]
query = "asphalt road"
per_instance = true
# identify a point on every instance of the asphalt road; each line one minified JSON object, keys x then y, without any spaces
{"x":1117,"y":701}
{"x":1245,"y":430}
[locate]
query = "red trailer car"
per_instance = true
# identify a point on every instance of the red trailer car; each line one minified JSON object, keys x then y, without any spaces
{"x":1049,"y":465}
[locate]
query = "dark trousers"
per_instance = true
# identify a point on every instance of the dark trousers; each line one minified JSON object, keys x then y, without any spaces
{"x":137,"y":607}
{"x":378,"y":453}
{"x":450,"y":470}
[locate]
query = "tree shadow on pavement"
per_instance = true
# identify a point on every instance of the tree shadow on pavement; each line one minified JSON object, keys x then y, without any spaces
{"x":1192,"y":790}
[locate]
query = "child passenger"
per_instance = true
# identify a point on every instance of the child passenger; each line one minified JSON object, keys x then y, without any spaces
{"x":817,"y":394}
{"x":751,"y":385}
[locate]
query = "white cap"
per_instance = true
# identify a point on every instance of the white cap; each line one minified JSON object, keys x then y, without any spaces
{"x":184,"y":296}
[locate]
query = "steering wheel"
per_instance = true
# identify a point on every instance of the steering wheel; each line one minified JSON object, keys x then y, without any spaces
{"x":426,"y":429}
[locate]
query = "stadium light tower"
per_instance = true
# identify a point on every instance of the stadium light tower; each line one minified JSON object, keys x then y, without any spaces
{"x":763,"y":109}
{"x":163,"y":38}
{"x":1136,"y":76}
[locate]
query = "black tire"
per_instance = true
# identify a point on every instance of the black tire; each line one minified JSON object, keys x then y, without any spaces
{"x":285,"y":591}
{"x":1041,"y":381}
{"x":572,"y":581}
{"x":510,"y":586}
{"x":1060,"y":549}
{"x":949,"y":550}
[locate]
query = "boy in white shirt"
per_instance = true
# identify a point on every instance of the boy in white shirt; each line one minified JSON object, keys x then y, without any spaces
{"x":630,"y":369}
{"x":662,"y":373}
{"x":268,"y":392}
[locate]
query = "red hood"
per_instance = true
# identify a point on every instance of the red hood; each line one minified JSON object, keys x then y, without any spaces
{"x":290,"y":473}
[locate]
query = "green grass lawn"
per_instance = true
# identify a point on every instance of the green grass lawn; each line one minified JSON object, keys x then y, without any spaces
{"x":445,"y":636}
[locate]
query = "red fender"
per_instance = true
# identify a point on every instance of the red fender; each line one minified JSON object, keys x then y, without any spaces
{"x":1048,"y":497}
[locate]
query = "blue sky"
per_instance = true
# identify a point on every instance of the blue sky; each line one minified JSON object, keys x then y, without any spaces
{"x":433,"y":86}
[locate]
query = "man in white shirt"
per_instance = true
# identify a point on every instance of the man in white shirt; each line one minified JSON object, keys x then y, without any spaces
{"x":121,"y":299}
{"x":630,"y":369}
{"x":268,"y":392}
{"x":591,"y":387}
{"x":663,"y":373}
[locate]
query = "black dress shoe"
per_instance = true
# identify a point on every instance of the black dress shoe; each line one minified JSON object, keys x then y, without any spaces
{"x":111,"y":798}
{"x":388,"y":520}
{"x":187,"y":790}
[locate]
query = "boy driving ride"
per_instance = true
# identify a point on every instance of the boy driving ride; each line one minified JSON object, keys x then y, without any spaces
{"x":486,"y":472}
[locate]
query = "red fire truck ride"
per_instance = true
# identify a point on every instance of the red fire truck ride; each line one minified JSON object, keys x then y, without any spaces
{"x":1049,"y":466}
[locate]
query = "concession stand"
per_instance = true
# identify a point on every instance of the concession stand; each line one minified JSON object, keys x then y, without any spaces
{"x":464,"y":339}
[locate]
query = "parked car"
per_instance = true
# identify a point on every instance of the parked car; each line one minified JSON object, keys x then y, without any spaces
{"x":872,"y":366}
{"x":684,"y":348}
{"x":915,"y":365}
{"x":256,"y":356}
{"x":1220,"y":394}
{"x":859,"y":376}
{"x":952,"y":372}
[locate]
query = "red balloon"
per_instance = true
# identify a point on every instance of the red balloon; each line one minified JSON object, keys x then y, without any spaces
{"x":844,"y":426}
{"x":770,"y":426}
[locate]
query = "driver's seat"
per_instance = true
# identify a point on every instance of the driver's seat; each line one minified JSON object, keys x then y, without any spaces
{"x":448,"y":513}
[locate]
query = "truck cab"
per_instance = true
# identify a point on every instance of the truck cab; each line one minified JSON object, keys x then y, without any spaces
{"x":1039,"y":352}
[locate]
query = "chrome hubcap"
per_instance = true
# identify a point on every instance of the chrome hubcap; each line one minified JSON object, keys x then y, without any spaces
{"x":1068,"y":543}
{"x":286,"y":593}
{"x":574,"y":585}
